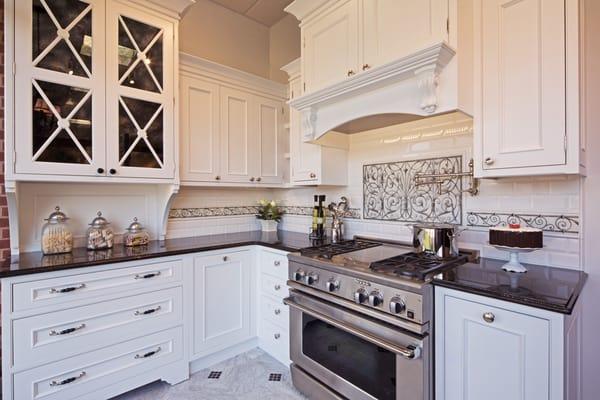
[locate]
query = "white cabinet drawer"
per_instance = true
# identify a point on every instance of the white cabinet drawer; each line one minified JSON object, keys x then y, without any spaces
{"x":47,"y":292}
{"x":274,"y":286}
{"x":66,"y":333}
{"x":275,"y":340}
{"x":275,"y":264}
{"x":274,"y":311}
{"x":78,"y":377}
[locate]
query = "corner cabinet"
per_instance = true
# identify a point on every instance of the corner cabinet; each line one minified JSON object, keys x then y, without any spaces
{"x":311,"y":164}
{"x":496,"y":350}
{"x":232,"y":126}
{"x":93,"y":91}
{"x":527,"y":97}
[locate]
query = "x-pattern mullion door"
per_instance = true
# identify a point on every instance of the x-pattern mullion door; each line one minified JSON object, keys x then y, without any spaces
{"x":140,"y":95}
{"x":59,"y":91}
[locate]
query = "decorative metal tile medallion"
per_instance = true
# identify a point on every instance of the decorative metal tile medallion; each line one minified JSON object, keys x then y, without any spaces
{"x":214,"y":374}
{"x":390,"y":193}
{"x":548,"y":223}
{"x":274,"y":377}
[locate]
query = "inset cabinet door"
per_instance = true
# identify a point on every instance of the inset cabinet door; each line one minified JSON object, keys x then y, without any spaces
{"x":330,"y":47}
{"x":59,"y":87}
{"x":522,"y":120}
{"x":270,"y":115}
{"x":491,"y":353}
{"x":222,"y":301}
{"x":139,"y":94}
{"x":393,"y":29}
{"x":200,"y":130}
{"x":240,"y":147}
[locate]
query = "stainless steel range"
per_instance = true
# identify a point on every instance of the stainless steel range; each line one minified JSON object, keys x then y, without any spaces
{"x":360,"y":320}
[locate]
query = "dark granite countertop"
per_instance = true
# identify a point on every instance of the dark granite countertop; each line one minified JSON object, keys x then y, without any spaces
{"x":548,"y":288}
{"x":36,"y":262}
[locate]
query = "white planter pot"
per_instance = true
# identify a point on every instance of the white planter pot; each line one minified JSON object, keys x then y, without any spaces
{"x":268,"y":225}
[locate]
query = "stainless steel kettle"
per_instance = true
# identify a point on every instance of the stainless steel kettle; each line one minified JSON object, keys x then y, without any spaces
{"x":437,"y":239}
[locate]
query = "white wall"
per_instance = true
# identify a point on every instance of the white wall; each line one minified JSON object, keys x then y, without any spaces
{"x":284,"y":46}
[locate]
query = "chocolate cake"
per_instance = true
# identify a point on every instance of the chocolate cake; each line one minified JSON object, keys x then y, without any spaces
{"x":515,"y":236}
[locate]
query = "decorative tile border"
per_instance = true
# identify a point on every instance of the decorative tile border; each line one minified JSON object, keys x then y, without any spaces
{"x":549,"y":223}
{"x":390,"y":193}
{"x":179,"y":213}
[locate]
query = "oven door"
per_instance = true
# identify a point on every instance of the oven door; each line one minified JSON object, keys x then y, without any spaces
{"x":357,"y":356}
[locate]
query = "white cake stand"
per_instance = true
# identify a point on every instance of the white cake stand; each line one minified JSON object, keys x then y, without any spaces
{"x":513,"y":264}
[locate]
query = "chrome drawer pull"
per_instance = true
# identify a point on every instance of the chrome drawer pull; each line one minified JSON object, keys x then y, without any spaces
{"x":68,"y":380}
{"x":148,"y":276}
{"x":67,"y":289}
{"x":149,"y":354}
{"x":489,"y":317}
{"x":277,"y":263}
{"x":276,"y":336}
{"x":146,"y":312}
{"x":277,"y":311}
{"x":66,"y":331}
{"x":277,"y":287}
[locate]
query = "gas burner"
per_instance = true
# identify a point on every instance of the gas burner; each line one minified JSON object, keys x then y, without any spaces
{"x":415,"y":265}
{"x":328,"y":251}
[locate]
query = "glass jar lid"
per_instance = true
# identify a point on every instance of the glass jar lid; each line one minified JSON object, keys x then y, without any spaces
{"x":57,"y":216}
{"x":99,"y":221}
{"x":135,"y":226}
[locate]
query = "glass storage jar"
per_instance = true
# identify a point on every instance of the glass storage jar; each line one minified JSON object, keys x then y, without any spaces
{"x":136,"y":235}
{"x":99,"y":234}
{"x":56,"y":235}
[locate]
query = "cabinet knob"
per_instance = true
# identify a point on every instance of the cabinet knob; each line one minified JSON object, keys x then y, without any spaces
{"x":100,"y":170}
{"x":365,"y":67}
{"x":489,"y":161}
{"x":350,"y":72}
{"x":489,"y":317}
{"x":225,"y":258}
{"x":277,"y":263}
{"x":313,"y":175}
{"x":112,"y":171}
{"x":276,"y":336}
{"x":217,"y":178}
{"x":277,"y":311}
{"x":277,"y":287}
{"x":252,"y":179}
{"x":258,"y":179}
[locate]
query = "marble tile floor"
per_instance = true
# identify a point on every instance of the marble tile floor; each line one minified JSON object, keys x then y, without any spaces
{"x":247,"y":376}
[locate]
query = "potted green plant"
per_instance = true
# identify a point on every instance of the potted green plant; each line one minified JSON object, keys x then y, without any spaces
{"x":269,"y":215}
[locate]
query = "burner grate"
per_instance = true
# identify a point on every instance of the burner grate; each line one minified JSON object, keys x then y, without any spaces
{"x":329,"y":250}
{"x":415,"y":265}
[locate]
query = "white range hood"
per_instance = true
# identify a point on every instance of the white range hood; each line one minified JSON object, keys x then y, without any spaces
{"x":417,"y":86}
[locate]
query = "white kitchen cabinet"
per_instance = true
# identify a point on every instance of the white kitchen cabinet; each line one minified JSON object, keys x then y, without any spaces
{"x":200,"y":130}
{"x":96,"y":113}
{"x":342,"y":38}
{"x":392,"y":29}
{"x":232,"y":126}
{"x":140,"y":74}
{"x":330,"y":46}
{"x":527,"y":88}
{"x":493,"y":349}
{"x":311,"y":164}
{"x":223,"y":301}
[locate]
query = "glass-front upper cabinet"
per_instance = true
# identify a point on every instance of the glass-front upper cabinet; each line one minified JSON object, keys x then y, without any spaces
{"x":140,"y":94}
{"x":59,"y":87}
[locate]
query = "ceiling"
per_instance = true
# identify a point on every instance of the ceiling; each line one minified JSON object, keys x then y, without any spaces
{"x":265,"y":12}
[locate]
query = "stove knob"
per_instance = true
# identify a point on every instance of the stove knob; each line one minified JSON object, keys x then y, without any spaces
{"x":375,"y":298}
{"x":298,"y":275}
{"x":397,"y":305}
{"x":332,"y":285}
{"x":360,"y":296}
{"x":311,"y":278}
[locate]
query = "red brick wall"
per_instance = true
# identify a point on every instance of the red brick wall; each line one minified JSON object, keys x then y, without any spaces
{"x":4,"y":235}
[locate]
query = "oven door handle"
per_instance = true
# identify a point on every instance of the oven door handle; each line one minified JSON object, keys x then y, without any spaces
{"x":410,"y":352}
